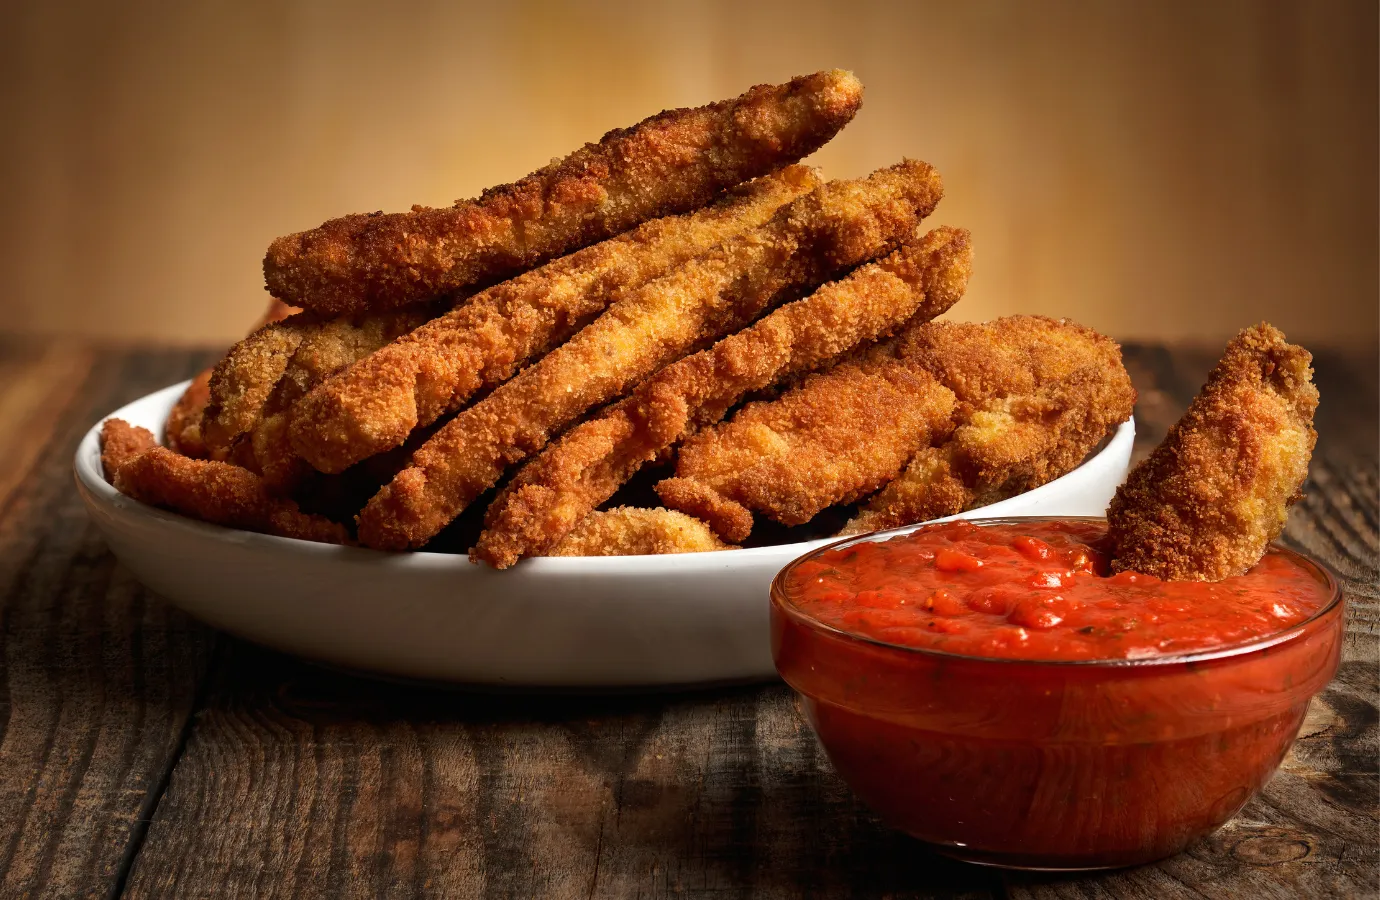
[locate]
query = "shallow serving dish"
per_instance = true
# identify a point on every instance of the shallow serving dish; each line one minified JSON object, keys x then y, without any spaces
{"x":1055,"y":765}
{"x":598,"y":622}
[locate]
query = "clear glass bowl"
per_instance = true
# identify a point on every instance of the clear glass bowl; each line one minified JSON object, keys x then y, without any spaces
{"x":1055,"y":765}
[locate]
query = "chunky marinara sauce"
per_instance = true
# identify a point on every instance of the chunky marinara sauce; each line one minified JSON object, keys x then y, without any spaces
{"x":1040,"y":590}
{"x":996,"y":749}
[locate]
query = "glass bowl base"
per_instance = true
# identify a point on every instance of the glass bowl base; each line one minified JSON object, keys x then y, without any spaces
{"x":1019,"y":862}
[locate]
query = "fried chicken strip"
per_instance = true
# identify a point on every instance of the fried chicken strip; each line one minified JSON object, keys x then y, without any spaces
{"x":242,"y":381}
{"x":929,"y":488}
{"x":182,"y":430}
{"x":839,"y":225}
{"x":254,"y":388}
{"x":375,"y":404}
{"x":840,"y":435}
{"x":586,"y":465}
{"x":626,"y":531}
{"x":673,"y":162}
{"x":214,"y":492}
{"x":1035,"y":395}
{"x":121,"y":442}
{"x":1209,"y":500}
{"x":327,"y":348}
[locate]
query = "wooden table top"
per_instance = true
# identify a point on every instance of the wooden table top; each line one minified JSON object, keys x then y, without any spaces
{"x":145,"y":754}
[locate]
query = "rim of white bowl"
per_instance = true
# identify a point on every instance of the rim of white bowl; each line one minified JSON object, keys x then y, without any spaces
{"x":86,"y":468}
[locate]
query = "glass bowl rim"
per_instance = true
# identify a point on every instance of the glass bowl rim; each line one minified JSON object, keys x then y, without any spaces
{"x":1324,"y":573}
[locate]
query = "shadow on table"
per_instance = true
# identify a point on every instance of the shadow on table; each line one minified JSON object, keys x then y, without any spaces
{"x":696,"y":789}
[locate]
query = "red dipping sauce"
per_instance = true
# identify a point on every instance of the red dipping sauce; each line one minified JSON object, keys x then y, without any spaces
{"x":992,"y":690}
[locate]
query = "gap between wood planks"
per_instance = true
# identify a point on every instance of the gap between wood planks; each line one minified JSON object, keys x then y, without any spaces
{"x":66,"y":609}
{"x":140,"y":831}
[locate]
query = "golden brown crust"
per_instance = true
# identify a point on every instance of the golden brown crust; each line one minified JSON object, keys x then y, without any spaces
{"x":591,"y":461}
{"x":182,"y":430}
{"x":730,"y":518}
{"x":1212,"y":496}
{"x":807,"y":242}
{"x":840,"y":435}
{"x":927,"y":489}
{"x":243,"y":380}
{"x":254,"y":389}
{"x":625,"y":531}
{"x":670,"y":163}
{"x":210,"y":491}
{"x":121,"y":442}
{"x":326,"y":349}
{"x":1035,"y":395}
{"x":375,"y":404}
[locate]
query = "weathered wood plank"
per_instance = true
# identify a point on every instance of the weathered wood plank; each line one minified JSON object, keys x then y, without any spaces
{"x":97,"y":678}
{"x":298,"y":781}
{"x":37,"y":385}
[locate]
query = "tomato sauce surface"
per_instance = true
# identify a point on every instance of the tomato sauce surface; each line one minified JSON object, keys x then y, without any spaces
{"x":1040,"y":590}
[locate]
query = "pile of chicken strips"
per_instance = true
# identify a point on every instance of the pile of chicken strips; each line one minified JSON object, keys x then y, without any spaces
{"x":664,"y":342}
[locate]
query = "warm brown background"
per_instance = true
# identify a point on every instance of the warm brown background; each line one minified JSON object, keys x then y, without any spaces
{"x":1157,"y":170}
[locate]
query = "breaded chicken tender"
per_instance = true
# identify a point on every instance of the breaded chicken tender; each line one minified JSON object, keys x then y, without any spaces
{"x":807,"y":242}
{"x":670,"y":163}
{"x":214,"y":492}
{"x":376,"y":403}
{"x":254,"y":388}
{"x":1035,"y":396}
{"x":182,"y":430}
{"x":839,"y":436}
{"x":121,"y":442}
{"x":929,"y":488}
{"x":590,"y":462}
{"x":241,"y":382}
{"x":1209,"y":500}
{"x":626,"y":531}
{"x":326,"y":348}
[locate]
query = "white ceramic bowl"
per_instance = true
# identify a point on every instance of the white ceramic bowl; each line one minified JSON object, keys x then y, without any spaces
{"x":596,"y":622}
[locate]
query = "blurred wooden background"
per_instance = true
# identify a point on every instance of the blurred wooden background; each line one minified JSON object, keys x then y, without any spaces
{"x":1157,"y":170}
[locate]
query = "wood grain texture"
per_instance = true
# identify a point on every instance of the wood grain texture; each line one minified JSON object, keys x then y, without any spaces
{"x":298,"y":781}
{"x":303,"y":783}
{"x":97,"y":677}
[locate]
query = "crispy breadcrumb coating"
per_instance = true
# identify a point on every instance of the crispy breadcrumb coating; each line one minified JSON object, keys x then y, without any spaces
{"x":375,"y":404}
{"x":182,"y":429}
{"x":242,"y":381}
{"x":670,"y":163}
{"x":1209,"y":500}
{"x":927,"y":489}
{"x":326,"y":348}
{"x":121,"y":442}
{"x":809,"y":241}
{"x":1035,"y":396}
{"x":214,"y":492}
{"x":839,"y":436}
{"x":254,"y":388}
{"x":590,"y":462}
{"x":626,"y":531}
